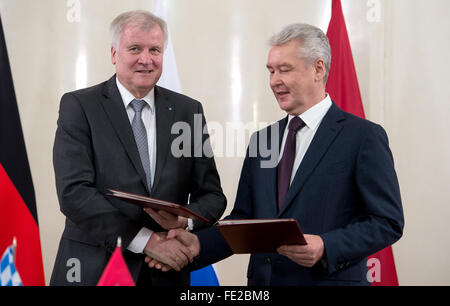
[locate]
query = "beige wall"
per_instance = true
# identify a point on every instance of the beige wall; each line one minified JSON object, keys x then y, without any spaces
{"x":221,"y":52}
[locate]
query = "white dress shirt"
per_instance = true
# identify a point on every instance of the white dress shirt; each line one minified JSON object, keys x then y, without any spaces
{"x":148,"y":116}
{"x":312,"y":118}
{"x":139,"y":242}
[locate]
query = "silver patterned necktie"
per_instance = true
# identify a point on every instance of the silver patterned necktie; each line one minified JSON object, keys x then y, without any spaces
{"x":140,"y":135}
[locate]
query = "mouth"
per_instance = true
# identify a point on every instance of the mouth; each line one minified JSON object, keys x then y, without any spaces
{"x":282,"y":94}
{"x":144,"y":71}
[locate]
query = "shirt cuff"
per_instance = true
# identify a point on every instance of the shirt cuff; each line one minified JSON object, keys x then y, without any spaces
{"x":190,"y":226}
{"x":139,"y":242}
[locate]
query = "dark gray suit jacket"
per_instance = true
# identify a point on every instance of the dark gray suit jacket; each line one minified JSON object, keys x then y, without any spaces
{"x":95,"y":150}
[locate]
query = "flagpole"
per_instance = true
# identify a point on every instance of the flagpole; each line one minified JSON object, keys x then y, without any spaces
{"x":14,"y":247}
{"x":116,"y":272}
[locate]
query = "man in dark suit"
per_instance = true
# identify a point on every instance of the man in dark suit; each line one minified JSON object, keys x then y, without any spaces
{"x":118,"y":135}
{"x":335,"y":175}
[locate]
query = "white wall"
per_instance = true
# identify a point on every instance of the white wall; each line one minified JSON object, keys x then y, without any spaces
{"x":417,"y":112}
{"x":221,"y":53}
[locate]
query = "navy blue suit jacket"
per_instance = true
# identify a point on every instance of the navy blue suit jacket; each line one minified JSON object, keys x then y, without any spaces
{"x":345,"y":190}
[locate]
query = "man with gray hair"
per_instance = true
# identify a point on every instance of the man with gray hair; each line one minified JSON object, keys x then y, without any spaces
{"x":335,"y":176}
{"x":118,"y":135}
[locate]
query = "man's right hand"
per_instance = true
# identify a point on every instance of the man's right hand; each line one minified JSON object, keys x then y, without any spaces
{"x":187,"y":239}
{"x":170,"y":252}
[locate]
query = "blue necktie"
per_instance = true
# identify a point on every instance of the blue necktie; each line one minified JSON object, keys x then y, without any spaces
{"x":140,"y":135}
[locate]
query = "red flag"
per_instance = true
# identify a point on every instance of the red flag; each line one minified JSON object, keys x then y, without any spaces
{"x":116,"y":272}
{"x":18,"y":215}
{"x":343,"y":87}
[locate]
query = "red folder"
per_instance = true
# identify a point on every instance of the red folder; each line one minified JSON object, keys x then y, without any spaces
{"x":260,"y":235}
{"x":147,"y":202}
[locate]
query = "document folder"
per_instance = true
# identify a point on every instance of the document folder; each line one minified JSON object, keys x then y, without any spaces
{"x":147,"y":202}
{"x":260,"y":235}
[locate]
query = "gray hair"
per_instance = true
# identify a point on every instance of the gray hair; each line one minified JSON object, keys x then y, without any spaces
{"x":142,"y":19}
{"x":314,"y":43}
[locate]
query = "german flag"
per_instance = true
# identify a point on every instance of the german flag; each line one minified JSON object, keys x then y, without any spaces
{"x":18,"y":215}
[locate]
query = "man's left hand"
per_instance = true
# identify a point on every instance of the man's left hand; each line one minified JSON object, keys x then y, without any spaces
{"x":167,"y":220}
{"x":305,"y":255}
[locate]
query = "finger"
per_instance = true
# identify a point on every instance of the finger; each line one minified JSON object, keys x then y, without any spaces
{"x":166,"y":268}
{"x":296,"y":256}
{"x":181,"y":258}
{"x":160,"y":214}
{"x":184,"y":237}
{"x":308,"y":264}
{"x":189,"y":241}
{"x":164,"y":252}
{"x":175,"y":253}
{"x":156,"y":264}
{"x":170,"y":260}
{"x":153,"y":214}
{"x":189,"y":254}
{"x":167,"y":215}
{"x":294,"y":249}
{"x":174,"y":265}
{"x":174,"y":233}
{"x":153,"y":263}
{"x":182,"y":252}
{"x":186,"y":252}
{"x":149,"y":211}
{"x":159,"y":266}
{"x":305,"y":261}
{"x":301,"y":261}
{"x":283,"y":251}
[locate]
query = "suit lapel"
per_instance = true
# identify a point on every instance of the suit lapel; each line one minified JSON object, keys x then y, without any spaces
{"x":327,"y":132}
{"x":272,"y":185}
{"x":114,"y":108}
{"x":164,"y":120}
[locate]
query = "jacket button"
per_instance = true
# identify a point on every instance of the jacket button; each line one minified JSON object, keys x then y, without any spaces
{"x":268,"y":260}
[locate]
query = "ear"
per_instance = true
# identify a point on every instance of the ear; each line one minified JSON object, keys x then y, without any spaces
{"x":113,"y":55}
{"x":320,"y":69}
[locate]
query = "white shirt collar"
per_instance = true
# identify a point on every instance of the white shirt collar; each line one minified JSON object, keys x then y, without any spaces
{"x":313,"y":116}
{"x":127,"y":97}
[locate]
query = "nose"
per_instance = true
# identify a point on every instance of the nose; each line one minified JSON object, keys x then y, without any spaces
{"x":145,"y":58}
{"x":275,"y":80}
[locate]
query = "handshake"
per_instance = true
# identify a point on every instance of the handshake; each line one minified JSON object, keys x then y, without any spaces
{"x":172,"y":250}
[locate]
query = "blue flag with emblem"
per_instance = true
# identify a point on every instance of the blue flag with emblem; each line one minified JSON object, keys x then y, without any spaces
{"x":9,"y":276}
